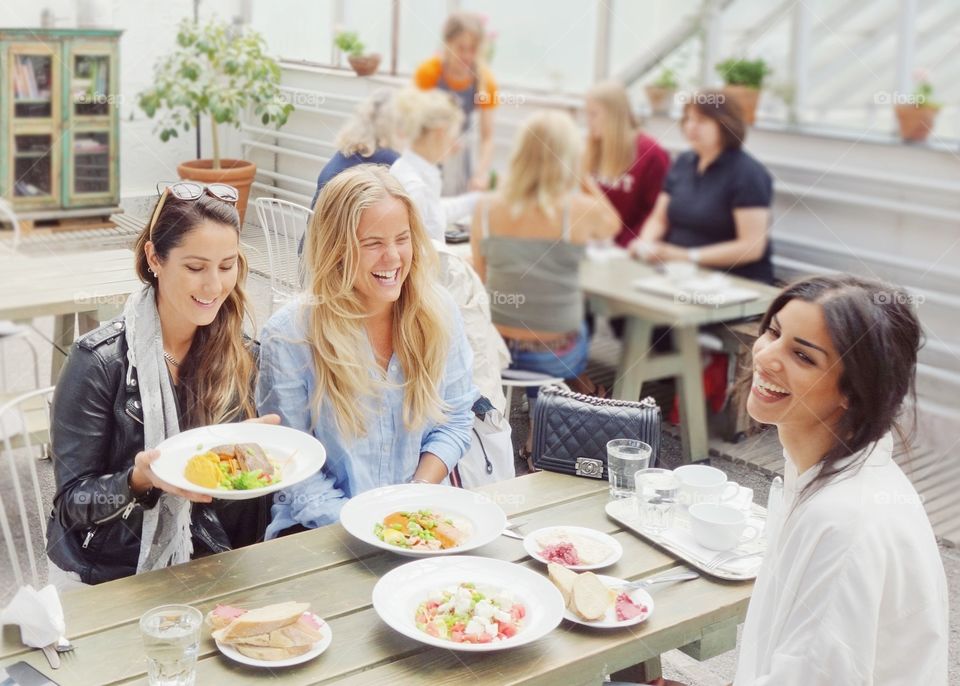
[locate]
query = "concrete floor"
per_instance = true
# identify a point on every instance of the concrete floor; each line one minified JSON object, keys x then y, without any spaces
{"x":715,"y":672}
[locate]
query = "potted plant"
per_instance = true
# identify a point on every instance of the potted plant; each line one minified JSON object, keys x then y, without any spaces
{"x":363,"y":64}
{"x":744,"y":79}
{"x":661,"y":92}
{"x":215,"y":76}
{"x":917,"y":113}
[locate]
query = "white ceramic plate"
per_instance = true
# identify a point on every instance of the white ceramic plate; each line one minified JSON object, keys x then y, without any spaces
{"x":317,"y":649}
{"x":298,"y":454}
{"x":400,"y":591}
{"x":533,"y":548}
{"x":638,"y":595}
{"x":478,"y":514}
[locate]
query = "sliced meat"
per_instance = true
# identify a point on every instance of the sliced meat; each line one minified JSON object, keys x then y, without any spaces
{"x":252,"y":456}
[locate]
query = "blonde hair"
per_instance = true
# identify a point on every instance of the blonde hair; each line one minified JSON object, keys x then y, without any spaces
{"x":336,"y":314}
{"x":372,"y":126}
{"x":420,"y":111}
{"x":545,"y":162}
{"x":474,"y":24}
{"x":218,"y":374}
{"x":612,"y":154}
{"x":460,"y":22}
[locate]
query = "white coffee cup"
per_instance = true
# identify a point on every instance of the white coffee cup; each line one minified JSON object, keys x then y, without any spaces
{"x":700,"y":483}
{"x":720,"y":527}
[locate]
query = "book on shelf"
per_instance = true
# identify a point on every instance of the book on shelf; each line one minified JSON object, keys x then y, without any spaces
{"x":25,"y":81}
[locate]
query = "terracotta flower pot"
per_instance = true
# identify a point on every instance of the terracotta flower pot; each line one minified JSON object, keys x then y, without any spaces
{"x":660,"y":99}
{"x":364,"y":65}
{"x":237,"y":173}
{"x":745,"y":96}
{"x":916,"y":122}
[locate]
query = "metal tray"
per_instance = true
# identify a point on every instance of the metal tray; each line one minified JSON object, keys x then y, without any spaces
{"x":624,"y":512}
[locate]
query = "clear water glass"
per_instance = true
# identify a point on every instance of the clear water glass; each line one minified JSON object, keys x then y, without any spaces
{"x":624,"y":457}
{"x":171,"y":641}
{"x":657,"y":492}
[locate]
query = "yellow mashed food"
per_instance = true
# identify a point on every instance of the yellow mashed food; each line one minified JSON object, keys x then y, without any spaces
{"x":204,"y":470}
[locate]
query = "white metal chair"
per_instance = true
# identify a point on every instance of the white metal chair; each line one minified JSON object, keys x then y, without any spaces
{"x":11,"y":331}
{"x":24,"y":423}
{"x":284,"y":224}
{"x":519,"y":378}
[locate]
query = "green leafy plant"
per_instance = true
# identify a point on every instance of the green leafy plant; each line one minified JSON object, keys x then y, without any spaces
{"x":216,"y":75}
{"x":666,"y":79}
{"x":349,"y":43}
{"x":923,"y":93}
{"x":741,"y":72}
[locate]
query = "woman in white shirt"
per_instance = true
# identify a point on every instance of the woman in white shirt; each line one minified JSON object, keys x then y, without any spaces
{"x":431,"y":121}
{"x":852,"y":590}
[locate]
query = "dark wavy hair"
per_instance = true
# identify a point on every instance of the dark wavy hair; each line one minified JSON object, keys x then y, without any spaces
{"x":217,"y":375}
{"x":874,"y":329}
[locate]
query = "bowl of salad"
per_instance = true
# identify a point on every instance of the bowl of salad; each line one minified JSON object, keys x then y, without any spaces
{"x":238,"y":461}
{"x":422,"y":520}
{"x":467,"y":603}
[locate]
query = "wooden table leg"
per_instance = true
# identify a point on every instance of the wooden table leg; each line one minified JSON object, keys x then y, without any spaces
{"x":63,"y":332}
{"x":693,"y":411}
{"x":636,"y":351}
{"x":640,"y":673}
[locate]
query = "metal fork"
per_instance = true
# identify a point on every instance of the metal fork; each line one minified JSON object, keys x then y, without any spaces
{"x":728,"y":557}
{"x":63,"y":645}
{"x":662,"y":578}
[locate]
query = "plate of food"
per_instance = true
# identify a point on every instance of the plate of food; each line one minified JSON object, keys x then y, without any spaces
{"x":279,"y":635}
{"x":595,"y":600}
{"x":467,"y":603}
{"x":238,"y":461}
{"x":574,"y":547}
{"x":418,"y":520}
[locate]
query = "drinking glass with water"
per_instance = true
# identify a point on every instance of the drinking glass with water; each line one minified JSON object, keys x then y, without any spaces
{"x":171,"y":640}
{"x":657,"y":491}
{"x":624,"y":457}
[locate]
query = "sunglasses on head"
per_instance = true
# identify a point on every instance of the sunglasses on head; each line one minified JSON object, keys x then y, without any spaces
{"x":192,"y":191}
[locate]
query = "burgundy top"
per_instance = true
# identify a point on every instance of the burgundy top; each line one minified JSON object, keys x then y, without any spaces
{"x":635,"y":192}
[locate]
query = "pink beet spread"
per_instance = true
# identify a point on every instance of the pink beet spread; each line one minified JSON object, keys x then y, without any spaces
{"x":561,"y":553}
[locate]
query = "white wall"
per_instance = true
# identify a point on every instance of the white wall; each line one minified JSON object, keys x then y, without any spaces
{"x":149,"y":31}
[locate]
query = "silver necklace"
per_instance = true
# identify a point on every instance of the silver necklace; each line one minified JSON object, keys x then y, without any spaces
{"x":171,"y":359}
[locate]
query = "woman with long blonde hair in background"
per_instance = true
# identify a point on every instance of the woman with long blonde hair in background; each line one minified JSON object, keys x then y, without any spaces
{"x":372,"y":359}
{"x":528,"y":241}
{"x":628,"y":165}
{"x":430,"y":122}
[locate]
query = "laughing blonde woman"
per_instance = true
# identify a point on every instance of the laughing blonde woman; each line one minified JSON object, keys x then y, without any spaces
{"x":372,"y":359}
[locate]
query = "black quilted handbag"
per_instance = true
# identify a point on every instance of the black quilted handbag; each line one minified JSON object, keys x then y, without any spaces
{"x":571,"y":430}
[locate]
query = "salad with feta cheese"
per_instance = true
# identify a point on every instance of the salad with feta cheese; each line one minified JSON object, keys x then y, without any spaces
{"x":467,"y":613}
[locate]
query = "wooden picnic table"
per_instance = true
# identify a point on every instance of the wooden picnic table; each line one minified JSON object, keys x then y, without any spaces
{"x":80,"y":289}
{"x":608,"y":285}
{"x":336,"y":574}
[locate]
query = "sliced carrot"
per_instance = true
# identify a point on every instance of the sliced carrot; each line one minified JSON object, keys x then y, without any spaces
{"x":396,"y":518}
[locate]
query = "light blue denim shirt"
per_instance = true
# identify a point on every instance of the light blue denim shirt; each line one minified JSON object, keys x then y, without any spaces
{"x":388,"y":453}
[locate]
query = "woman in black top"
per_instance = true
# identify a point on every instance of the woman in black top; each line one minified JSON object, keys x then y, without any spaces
{"x":714,"y":209}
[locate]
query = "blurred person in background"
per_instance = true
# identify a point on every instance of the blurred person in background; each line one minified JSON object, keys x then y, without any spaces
{"x":460,"y":70}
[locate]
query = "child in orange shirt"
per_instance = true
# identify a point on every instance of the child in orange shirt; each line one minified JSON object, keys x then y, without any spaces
{"x":459,"y":70}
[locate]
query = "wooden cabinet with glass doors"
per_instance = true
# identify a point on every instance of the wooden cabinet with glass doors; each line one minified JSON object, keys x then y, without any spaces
{"x":59,"y":152}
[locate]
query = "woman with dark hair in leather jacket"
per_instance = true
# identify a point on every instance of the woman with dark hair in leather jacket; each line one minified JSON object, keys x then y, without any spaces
{"x":175,"y":360}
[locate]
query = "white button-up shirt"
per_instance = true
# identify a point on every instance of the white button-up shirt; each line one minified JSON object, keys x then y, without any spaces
{"x":423,"y":184}
{"x":852,"y":590}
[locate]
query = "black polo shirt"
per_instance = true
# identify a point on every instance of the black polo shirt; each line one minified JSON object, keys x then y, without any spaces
{"x":701,"y":206}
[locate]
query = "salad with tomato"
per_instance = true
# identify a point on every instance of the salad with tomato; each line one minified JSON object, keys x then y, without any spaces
{"x":467,"y":613}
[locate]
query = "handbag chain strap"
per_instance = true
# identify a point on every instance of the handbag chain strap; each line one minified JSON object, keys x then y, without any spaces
{"x":598,"y":402}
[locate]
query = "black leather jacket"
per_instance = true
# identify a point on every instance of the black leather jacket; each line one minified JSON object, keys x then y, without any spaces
{"x":97,"y":430}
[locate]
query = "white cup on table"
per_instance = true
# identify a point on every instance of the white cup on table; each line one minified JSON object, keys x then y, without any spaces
{"x":700,"y":483}
{"x":720,"y":527}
